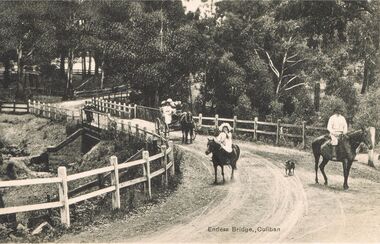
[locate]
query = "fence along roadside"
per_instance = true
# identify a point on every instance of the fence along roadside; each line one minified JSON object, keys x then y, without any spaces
{"x":166,"y":157}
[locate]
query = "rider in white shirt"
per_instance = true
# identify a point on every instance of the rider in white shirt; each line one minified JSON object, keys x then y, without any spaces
{"x":337,"y":126}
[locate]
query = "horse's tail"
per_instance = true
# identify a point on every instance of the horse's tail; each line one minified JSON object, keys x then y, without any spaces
{"x":237,"y":155}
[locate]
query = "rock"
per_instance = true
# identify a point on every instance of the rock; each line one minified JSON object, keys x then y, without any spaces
{"x":20,"y":227}
{"x":15,"y":238}
{"x":41,"y":227}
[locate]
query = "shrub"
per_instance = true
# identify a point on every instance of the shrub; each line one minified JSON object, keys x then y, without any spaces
{"x":243,"y":109}
{"x":368,"y":112}
{"x":328,"y":104}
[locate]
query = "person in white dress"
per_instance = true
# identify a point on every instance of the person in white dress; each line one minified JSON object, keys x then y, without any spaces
{"x":225,"y":137}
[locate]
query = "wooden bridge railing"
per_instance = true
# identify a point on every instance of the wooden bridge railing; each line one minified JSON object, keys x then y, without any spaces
{"x":123,"y":110}
{"x":52,"y":111}
{"x":165,"y":158}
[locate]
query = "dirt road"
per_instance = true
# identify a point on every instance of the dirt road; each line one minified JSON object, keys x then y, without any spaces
{"x":260,"y":205}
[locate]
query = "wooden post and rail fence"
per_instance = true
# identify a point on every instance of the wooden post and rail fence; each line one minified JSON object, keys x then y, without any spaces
{"x":166,"y":156}
{"x":277,"y":130}
{"x":164,"y":160}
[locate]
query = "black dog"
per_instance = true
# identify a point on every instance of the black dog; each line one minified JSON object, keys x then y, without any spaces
{"x":290,"y":165}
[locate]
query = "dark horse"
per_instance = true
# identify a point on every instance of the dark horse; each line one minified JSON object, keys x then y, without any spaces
{"x":346,"y":152}
{"x":187,"y":127}
{"x":220,"y":157}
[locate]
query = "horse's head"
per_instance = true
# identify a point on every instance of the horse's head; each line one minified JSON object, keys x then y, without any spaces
{"x":212,"y":146}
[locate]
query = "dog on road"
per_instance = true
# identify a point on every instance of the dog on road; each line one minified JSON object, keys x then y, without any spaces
{"x":290,"y":165}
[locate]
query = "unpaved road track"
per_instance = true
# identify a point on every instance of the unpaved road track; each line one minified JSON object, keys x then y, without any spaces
{"x":262,"y":196}
{"x":244,"y":206}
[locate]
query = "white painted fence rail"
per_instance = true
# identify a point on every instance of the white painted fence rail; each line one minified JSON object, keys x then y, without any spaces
{"x":166,"y":156}
{"x":167,"y":163}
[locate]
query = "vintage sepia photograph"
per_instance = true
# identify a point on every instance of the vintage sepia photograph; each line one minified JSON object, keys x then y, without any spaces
{"x":189,"y":121}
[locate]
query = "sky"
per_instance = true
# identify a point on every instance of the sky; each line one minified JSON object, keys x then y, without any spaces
{"x":192,"y":5}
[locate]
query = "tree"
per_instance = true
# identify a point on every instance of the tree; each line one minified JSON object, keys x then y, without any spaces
{"x":25,"y":31}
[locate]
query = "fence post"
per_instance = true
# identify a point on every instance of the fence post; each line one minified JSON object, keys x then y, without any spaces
{"x":278,"y":132}
{"x":124,"y":110}
{"x":115,"y":182}
{"x":38,"y":108}
{"x":14,"y":106}
{"x":145,"y":134}
{"x":234,"y":125}
{"x":172,"y":157}
{"x":216,"y":121}
{"x":64,"y":197}
{"x":371,"y":157}
{"x":255,"y":126}
{"x":129,"y":127}
{"x":28,"y":106}
{"x":43,"y":110}
{"x":147,"y":173}
{"x":164,"y":162}
{"x":303,"y":134}
{"x":200,"y":120}
{"x":137,"y":131}
{"x":135,"y":111}
{"x":48,"y":110}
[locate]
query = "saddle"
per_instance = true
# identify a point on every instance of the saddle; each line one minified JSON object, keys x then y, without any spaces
{"x":341,"y":149}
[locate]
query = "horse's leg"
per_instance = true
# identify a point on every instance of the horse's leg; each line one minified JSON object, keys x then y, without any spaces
{"x":322,"y":168}
{"x":223,"y":172}
{"x":191,"y":134}
{"x":183,"y":136}
{"x":316,"y":168}
{"x":215,"y":170}
{"x":232,"y":174}
{"x":187,"y":135}
{"x":346,"y":171}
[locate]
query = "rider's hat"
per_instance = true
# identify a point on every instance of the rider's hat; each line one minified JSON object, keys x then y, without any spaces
{"x":169,"y":100}
{"x":163,"y":102}
{"x":338,"y":109}
{"x":225,"y":125}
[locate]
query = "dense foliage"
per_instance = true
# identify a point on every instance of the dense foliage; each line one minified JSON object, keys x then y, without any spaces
{"x":247,"y":58}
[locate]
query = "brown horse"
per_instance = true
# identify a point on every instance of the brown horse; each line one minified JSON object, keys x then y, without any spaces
{"x":346,"y":152}
{"x":187,"y":127}
{"x":220,"y":157}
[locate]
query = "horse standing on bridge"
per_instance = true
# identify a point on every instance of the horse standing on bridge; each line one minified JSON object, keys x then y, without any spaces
{"x":346,"y":152}
{"x":187,"y":127}
{"x":220,"y":157}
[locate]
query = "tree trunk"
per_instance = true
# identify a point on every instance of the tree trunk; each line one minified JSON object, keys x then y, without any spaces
{"x":102,"y":75}
{"x":7,"y":73}
{"x":365,"y":79}
{"x":317,"y":96}
{"x":62,"y":64}
{"x":96,"y":59}
{"x":69,"y":81}
{"x":19,"y":89}
{"x":84,"y":65}
{"x":191,"y":78}
{"x":89,"y":62}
